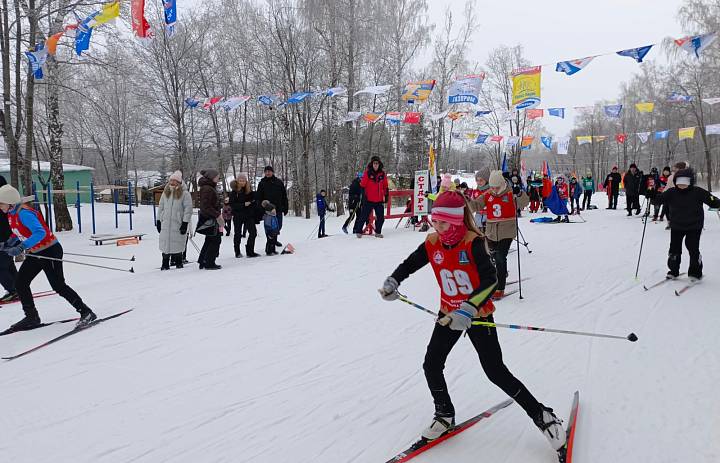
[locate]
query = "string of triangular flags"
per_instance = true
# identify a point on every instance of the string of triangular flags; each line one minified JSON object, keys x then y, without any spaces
{"x":563,"y":143}
{"x":84,"y":28}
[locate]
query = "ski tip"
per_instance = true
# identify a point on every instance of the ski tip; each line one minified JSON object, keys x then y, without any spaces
{"x":646,"y":288}
{"x":132,"y":270}
{"x":632,"y":337}
{"x":132,"y":259}
{"x":677,"y":293}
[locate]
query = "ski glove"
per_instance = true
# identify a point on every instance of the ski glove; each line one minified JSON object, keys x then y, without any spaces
{"x":389,"y":289}
{"x":158,"y":225}
{"x":460,"y":319}
{"x":11,"y":242}
{"x":14,"y":250}
{"x":183,"y":228}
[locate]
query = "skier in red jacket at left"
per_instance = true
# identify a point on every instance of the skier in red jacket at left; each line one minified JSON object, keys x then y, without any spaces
{"x":375,"y":195}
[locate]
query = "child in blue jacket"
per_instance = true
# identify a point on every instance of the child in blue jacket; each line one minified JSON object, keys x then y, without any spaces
{"x":575,"y":192}
{"x":322,"y":208}
{"x":272,"y":227}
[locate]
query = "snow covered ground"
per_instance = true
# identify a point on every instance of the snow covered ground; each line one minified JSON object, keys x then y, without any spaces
{"x":296,"y":358}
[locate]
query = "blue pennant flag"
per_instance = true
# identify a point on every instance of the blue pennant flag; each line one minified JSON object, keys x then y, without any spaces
{"x":613,"y":110}
{"x":678,"y":98}
{"x":504,"y":163}
{"x":84,"y":33}
{"x":298,"y":97}
{"x":481,"y":139}
{"x":267,"y":100}
{"x":636,"y":53}
{"x":37,"y":59}
{"x":661,"y":135}
{"x":557,"y":112}
{"x":547,"y":141}
{"x":192,"y":102}
{"x":481,"y":113}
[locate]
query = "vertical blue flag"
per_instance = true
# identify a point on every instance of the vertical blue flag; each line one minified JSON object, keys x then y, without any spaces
{"x":504,"y":163}
{"x":613,"y":110}
{"x":170,"y":10}
{"x":83,"y":34}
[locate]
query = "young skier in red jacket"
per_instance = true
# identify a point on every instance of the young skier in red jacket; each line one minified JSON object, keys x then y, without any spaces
{"x":467,"y":278}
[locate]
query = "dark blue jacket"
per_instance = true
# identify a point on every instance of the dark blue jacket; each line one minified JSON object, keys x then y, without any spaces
{"x":321,"y":204}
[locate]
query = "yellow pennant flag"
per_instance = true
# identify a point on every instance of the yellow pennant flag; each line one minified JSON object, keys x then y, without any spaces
{"x":432,"y":170}
{"x":584,"y":140}
{"x":687,"y":132}
{"x":645,"y":107}
{"x":109,"y":12}
{"x":526,"y":87}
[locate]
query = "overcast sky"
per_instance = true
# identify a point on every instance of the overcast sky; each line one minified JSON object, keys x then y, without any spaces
{"x":559,"y":30}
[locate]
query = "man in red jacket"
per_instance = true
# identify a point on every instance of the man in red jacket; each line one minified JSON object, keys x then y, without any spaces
{"x":375,"y":185}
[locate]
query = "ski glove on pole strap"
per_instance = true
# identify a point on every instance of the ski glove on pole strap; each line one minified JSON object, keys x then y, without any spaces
{"x":389,"y":289}
{"x":460,"y":319}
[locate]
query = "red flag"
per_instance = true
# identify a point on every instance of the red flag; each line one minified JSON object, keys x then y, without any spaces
{"x":621,"y":137}
{"x":411,"y":118}
{"x":210,"y":102}
{"x":496,"y":138}
{"x":139,"y":24}
{"x":534,"y":113}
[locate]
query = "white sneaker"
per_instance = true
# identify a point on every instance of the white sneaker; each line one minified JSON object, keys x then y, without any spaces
{"x":551,"y":427}
{"x":438,"y":427}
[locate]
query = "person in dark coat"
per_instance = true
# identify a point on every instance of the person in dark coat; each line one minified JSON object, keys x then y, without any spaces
{"x":633,"y":181}
{"x":244,"y":207}
{"x":685,"y":204}
{"x":272,"y":189}
{"x":375,"y":185}
{"x":612,"y":187}
{"x":8,"y":272}
{"x":354,"y":199}
{"x":210,"y":222}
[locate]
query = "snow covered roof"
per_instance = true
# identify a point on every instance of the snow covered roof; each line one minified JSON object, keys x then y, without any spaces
{"x":45,"y":166}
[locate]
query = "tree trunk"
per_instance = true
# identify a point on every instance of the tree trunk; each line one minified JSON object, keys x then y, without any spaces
{"x":63,"y":221}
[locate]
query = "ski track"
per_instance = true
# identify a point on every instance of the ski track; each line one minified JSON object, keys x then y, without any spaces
{"x":296,"y":358}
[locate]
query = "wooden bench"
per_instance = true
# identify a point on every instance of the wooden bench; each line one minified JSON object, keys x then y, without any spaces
{"x":100,"y":239}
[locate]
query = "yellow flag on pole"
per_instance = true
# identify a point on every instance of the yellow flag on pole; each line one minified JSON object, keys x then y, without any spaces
{"x":686,"y":133}
{"x":645,"y":107}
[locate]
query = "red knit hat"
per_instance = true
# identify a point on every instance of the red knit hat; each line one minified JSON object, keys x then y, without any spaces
{"x":449,"y":207}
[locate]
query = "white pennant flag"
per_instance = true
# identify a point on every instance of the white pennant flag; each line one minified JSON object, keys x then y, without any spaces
{"x":643,"y":136}
{"x":713,"y":129}
{"x":563,"y":144}
{"x":438,"y":116}
{"x":375,"y":90}
{"x":352,"y":116}
{"x":512,"y":141}
{"x":711,"y":100}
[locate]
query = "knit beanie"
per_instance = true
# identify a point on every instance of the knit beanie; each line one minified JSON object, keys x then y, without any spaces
{"x":9,"y":195}
{"x":177,"y":176}
{"x":209,"y":174}
{"x":449,"y":207}
{"x":496,"y":179}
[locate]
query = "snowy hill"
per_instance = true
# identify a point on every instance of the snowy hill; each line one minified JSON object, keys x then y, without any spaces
{"x":296,"y":358}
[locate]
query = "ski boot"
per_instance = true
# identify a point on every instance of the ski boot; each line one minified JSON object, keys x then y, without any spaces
{"x":497,"y":295}
{"x":29,"y":322}
{"x":551,"y":427}
{"x":9,"y":297}
{"x":566,"y":219}
{"x":440,"y":425}
{"x":87,"y":316}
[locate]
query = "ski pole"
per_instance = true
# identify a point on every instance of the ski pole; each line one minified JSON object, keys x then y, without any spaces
{"x":80,"y":263}
{"x":312,"y":232}
{"x":100,"y":257}
{"x":524,"y":243}
{"x":642,"y":241}
{"x":194,"y":244}
{"x":517,"y":238}
{"x":632,"y":337}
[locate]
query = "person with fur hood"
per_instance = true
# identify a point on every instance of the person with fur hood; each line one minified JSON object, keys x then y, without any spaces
{"x":210,"y":221}
{"x":173,"y":218}
{"x":500,"y":205}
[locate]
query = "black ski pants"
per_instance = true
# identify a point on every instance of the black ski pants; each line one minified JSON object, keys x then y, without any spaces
{"x":362,"y":218}
{"x":574,"y":204}
{"x":53,"y":269}
{"x":487,"y":346}
{"x":612,"y":200}
{"x":321,"y":226}
{"x":692,"y":243}
{"x":587,"y":196}
{"x":632,"y":202}
{"x":352,"y":216}
{"x":8,"y":272}
{"x":210,"y":250}
{"x":247,"y":224}
{"x":499,"y":251}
